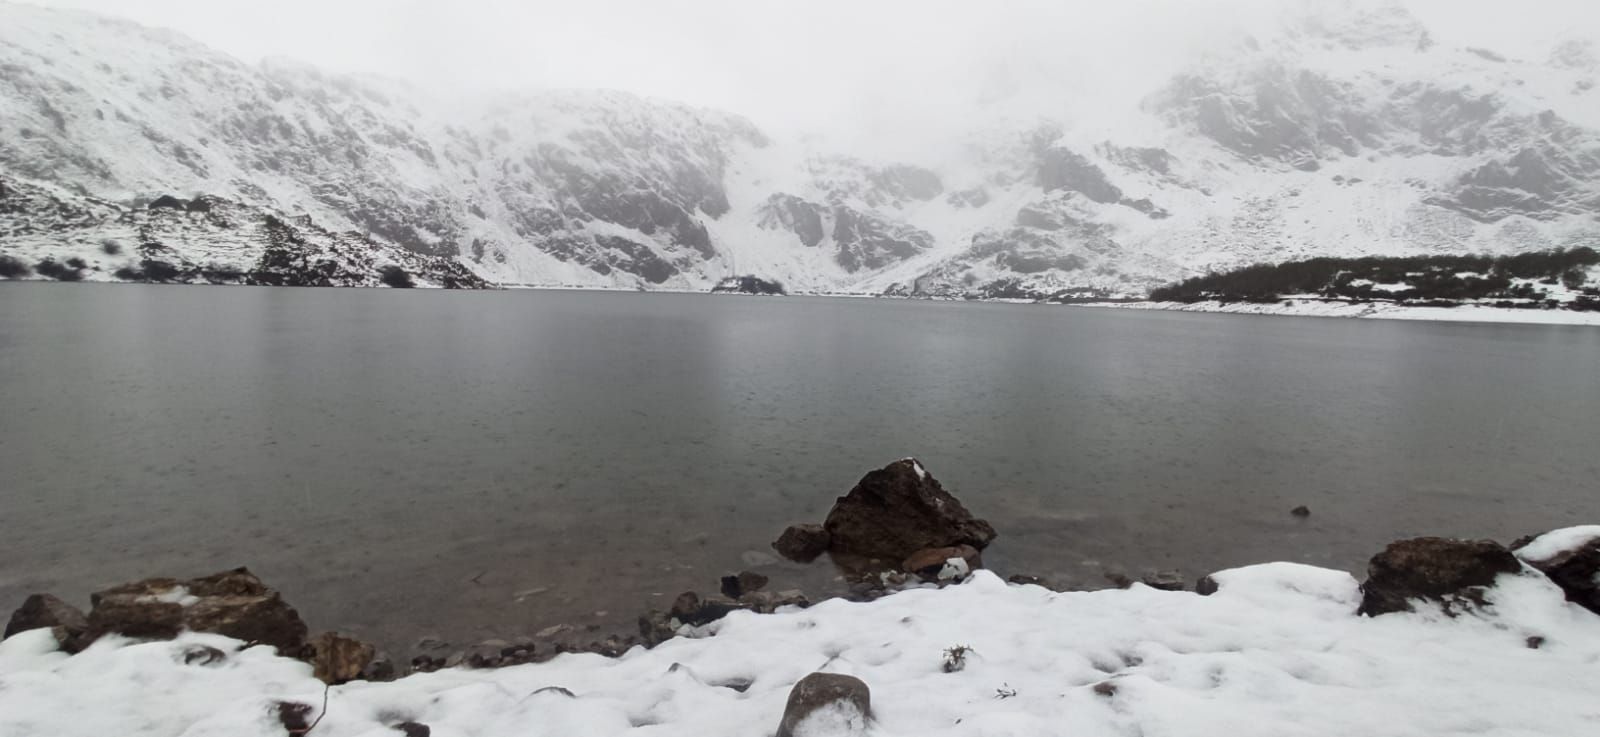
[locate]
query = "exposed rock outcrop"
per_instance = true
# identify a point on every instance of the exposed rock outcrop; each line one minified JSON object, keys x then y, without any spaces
{"x":1451,"y":572}
{"x":233,"y":603}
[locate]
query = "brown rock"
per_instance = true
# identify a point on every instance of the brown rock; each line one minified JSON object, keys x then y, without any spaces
{"x":802,"y":543}
{"x":143,"y":619}
{"x":1206,"y":586}
{"x":265,"y":619}
{"x":232,"y":603}
{"x":1452,"y":572}
{"x":819,"y":690}
{"x":1576,"y":570}
{"x":336,"y":659}
{"x":930,"y":562}
{"x":65,"y":621}
{"x":899,"y":510}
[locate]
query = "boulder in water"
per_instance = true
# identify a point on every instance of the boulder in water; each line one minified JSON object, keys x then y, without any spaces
{"x":899,"y":510}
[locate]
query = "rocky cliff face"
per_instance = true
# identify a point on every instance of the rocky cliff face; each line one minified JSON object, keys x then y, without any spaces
{"x":51,"y":233}
{"x":1343,"y":133}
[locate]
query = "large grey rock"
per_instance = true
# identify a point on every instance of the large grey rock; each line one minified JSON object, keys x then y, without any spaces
{"x":834,"y":703}
{"x":1451,"y":572}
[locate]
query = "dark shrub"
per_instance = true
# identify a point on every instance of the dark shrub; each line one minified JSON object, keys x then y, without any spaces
{"x":110,"y":247}
{"x":1425,"y":278}
{"x":396,"y":277}
{"x":77,"y":263}
{"x":11,"y":268}
{"x":128,"y":273}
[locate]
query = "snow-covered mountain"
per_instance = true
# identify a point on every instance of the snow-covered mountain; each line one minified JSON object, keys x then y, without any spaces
{"x":1346,"y":131}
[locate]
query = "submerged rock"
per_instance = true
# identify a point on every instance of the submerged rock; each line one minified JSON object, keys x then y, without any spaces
{"x":899,"y":510}
{"x":233,"y":603}
{"x":1570,"y":558}
{"x":1451,"y":572}
{"x":843,"y":701}
{"x":65,"y":621}
{"x":802,"y":543}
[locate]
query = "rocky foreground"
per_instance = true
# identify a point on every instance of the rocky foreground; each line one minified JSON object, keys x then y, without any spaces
{"x":1444,"y":637}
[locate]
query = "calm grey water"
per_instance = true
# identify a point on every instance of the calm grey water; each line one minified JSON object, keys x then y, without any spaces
{"x":403,"y":463}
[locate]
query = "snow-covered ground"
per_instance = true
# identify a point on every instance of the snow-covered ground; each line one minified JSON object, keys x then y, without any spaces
{"x":1377,"y":310}
{"x":1277,"y":652}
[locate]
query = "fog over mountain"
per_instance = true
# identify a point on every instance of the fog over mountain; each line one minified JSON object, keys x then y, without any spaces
{"x":931,"y":148}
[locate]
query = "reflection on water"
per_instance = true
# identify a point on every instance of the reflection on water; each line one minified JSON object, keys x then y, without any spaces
{"x":402,"y":463}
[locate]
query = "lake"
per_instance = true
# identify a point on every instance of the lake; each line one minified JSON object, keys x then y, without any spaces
{"x":473,"y":465}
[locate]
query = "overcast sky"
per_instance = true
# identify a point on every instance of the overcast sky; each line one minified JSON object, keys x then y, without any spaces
{"x":802,"y":63}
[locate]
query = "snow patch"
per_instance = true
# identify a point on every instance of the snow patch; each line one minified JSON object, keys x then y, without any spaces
{"x":1556,"y":542}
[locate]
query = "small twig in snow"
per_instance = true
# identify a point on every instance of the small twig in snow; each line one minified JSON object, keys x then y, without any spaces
{"x":313,"y":725}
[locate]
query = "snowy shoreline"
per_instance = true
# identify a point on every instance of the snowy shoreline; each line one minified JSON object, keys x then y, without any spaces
{"x":1367,"y":310}
{"x":1271,"y":650}
{"x":1278,"y":650}
{"x":1287,"y":308}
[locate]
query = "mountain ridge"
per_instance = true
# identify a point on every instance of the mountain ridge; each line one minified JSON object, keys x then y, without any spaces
{"x":1348,"y":134}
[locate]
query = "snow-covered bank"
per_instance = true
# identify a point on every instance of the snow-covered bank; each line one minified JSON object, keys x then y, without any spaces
{"x":1277,"y":651}
{"x":1376,"y":310}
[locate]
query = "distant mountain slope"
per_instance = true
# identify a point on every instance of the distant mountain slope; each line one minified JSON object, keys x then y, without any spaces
{"x":51,"y":233}
{"x":1348,"y":132}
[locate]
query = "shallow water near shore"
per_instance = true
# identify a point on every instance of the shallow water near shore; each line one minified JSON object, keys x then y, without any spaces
{"x":473,"y":465}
